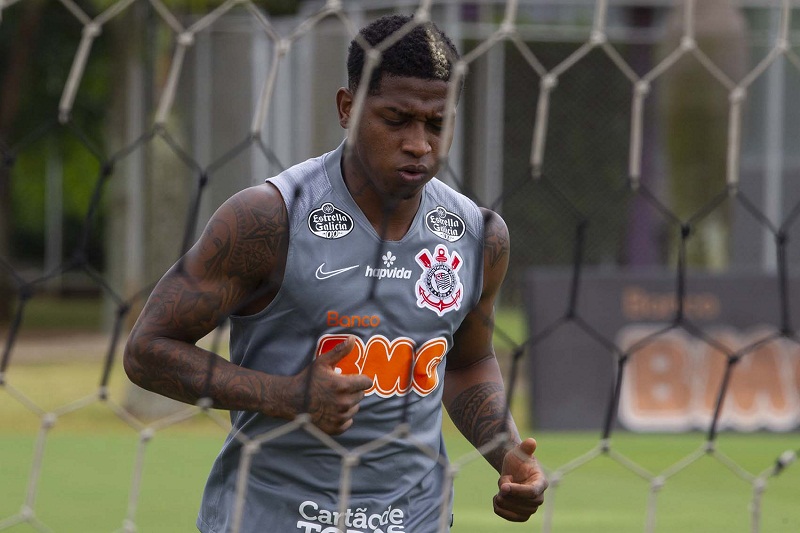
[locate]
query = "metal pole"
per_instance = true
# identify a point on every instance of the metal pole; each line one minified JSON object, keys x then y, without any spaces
{"x":773,"y":149}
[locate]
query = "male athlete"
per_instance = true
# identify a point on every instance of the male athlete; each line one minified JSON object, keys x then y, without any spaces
{"x":360,"y":291}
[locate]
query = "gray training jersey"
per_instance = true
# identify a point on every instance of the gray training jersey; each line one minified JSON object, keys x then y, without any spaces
{"x":403,"y":300}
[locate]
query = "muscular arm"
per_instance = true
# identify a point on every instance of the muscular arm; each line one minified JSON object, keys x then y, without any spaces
{"x":235,"y":267}
{"x":474,"y":394}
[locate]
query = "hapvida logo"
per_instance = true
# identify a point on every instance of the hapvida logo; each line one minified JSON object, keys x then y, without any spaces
{"x":389,"y":273}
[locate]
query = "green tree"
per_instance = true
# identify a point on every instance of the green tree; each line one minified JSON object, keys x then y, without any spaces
{"x":15,"y":66}
{"x":38,"y":42}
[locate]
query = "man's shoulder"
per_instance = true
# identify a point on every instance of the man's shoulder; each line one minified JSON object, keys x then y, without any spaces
{"x":304,"y":170}
{"x":263,"y":195}
{"x":440,"y":189}
{"x":494,"y":224}
{"x":302,"y":184}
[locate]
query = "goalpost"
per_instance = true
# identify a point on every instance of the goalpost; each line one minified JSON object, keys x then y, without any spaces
{"x":218,"y":100}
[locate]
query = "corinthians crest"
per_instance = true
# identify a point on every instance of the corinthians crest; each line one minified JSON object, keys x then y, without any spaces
{"x":439,"y":287}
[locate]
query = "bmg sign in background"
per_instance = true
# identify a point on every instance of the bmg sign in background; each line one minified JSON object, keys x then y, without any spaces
{"x":673,"y":375}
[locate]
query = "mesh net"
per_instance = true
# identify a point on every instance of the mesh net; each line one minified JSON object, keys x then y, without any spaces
{"x":590,"y":84}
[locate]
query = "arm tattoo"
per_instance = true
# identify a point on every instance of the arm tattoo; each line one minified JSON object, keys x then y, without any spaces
{"x":259,"y":237}
{"x":480,"y":414}
{"x":219,"y":236}
{"x":495,"y":242}
{"x":238,"y":252}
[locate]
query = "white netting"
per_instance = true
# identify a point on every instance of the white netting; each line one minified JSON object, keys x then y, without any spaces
{"x":507,"y":25}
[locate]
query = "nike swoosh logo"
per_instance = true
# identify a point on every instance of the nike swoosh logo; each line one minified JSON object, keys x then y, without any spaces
{"x":325,"y":275}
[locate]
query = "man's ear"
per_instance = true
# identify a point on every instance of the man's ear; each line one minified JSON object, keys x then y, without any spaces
{"x":344,"y":105}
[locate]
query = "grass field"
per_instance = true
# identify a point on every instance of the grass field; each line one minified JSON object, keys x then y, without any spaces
{"x":89,"y":458}
{"x":86,"y":477}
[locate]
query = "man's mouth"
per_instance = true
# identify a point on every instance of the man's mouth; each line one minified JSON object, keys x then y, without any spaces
{"x":413,"y":173}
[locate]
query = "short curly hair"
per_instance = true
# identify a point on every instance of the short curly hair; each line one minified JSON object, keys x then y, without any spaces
{"x":426,"y":52}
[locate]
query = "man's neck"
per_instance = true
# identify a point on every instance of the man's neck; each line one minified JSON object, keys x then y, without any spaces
{"x":391,"y":217}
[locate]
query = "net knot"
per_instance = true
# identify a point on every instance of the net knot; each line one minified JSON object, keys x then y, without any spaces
{"x":598,"y":37}
{"x":49,"y":420}
{"x":403,"y":430}
{"x":146,"y":434}
{"x":9,"y":159}
{"x":205,"y":403}
{"x":549,"y":81}
{"x":78,"y":259}
{"x":252,"y":447}
{"x":374,"y":55}
{"x":186,"y":39}
{"x":452,"y":470}
{"x":107,"y":169}
{"x":92,"y":30}
{"x":423,"y":14}
{"x":507,"y":28}
{"x":123,"y":309}
{"x":786,"y":458}
{"x":737,"y":95}
{"x":688,"y":43}
{"x":351,"y":460}
{"x":25,"y":292}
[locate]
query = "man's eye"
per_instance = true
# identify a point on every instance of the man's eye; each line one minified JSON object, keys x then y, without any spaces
{"x":394,"y":122}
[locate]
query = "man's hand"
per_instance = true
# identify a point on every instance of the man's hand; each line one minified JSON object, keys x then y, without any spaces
{"x":329,"y":397}
{"x":522,"y":484}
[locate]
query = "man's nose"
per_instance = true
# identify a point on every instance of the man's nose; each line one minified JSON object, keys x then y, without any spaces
{"x":416,"y":140}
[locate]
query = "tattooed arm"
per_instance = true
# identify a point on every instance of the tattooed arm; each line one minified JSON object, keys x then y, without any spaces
{"x":236,"y":267}
{"x":474,"y":394}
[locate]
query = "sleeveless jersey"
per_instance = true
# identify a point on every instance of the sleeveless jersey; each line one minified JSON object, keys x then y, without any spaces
{"x":403,"y":300}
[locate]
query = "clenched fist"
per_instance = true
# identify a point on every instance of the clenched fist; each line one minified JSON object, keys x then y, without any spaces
{"x":329,"y":397}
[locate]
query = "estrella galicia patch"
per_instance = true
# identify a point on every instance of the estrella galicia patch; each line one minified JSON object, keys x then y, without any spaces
{"x":444,"y":224}
{"x":329,"y":222}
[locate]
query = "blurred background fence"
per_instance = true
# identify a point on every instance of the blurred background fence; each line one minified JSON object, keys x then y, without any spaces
{"x":51,"y":169}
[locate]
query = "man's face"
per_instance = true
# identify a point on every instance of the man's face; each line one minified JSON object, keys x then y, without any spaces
{"x":398,"y":137}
